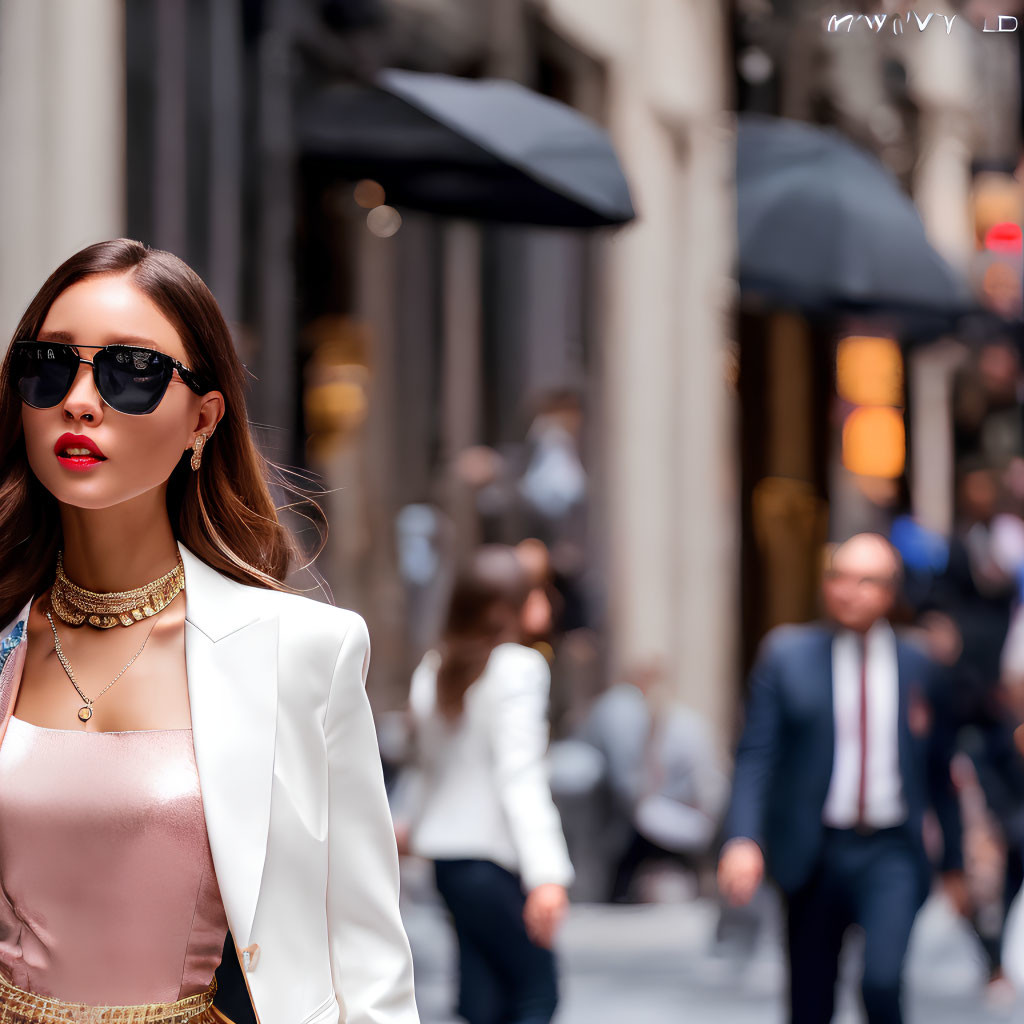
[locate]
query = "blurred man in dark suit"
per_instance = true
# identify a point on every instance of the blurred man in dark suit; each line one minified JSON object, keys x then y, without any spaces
{"x":847,"y":743}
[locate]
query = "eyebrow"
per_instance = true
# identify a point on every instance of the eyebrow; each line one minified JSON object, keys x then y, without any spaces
{"x":67,"y":338}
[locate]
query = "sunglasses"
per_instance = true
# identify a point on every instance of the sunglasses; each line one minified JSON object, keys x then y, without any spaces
{"x":129,"y":379}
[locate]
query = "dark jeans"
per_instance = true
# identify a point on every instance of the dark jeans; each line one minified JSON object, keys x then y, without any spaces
{"x":640,"y":852}
{"x":1000,"y":769}
{"x":503,"y":977}
{"x":868,"y":880}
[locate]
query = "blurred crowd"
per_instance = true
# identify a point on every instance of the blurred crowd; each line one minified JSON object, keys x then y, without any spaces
{"x":843,"y":804}
{"x":963,"y":592}
{"x":517,"y":773}
{"x":513,"y":770}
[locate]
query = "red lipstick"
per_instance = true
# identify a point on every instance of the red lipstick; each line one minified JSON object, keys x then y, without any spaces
{"x":77,"y":452}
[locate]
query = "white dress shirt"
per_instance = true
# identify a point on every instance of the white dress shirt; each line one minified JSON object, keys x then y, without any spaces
{"x":482,"y":790}
{"x":884,"y":805}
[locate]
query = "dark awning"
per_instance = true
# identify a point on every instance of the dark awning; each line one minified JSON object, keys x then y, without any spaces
{"x":824,"y":226}
{"x":480,"y":148}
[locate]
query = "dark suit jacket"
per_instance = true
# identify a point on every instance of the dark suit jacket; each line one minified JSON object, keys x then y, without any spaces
{"x":784,"y":760}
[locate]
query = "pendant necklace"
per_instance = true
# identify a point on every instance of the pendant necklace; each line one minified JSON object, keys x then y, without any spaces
{"x":85,"y":711}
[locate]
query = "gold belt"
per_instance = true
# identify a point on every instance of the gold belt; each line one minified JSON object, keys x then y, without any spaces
{"x":20,"y":1007}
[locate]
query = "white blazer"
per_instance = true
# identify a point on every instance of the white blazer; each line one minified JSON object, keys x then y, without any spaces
{"x":480,"y":787}
{"x":293,"y":795}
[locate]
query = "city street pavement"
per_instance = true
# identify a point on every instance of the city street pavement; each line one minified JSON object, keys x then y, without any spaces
{"x":655,"y":964}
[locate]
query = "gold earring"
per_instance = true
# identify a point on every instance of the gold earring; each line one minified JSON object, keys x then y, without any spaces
{"x":197,"y":451}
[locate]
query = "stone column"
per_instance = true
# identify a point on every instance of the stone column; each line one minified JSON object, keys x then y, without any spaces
{"x":62,"y":119}
{"x":671,"y":475}
{"x":461,"y":368}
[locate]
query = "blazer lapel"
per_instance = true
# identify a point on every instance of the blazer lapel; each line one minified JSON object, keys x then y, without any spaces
{"x":231,"y":658}
{"x":904,"y":684}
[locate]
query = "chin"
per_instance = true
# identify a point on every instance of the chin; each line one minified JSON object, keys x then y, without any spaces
{"x":93,"y":494}
{"x":72,"y":498}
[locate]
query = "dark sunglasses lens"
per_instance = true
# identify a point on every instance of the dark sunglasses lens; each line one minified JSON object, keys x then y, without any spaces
{"x":43,"y":373}
{"x":132,"y":380}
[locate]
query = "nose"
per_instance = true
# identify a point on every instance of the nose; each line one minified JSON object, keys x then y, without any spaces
{"x":83,"y":401}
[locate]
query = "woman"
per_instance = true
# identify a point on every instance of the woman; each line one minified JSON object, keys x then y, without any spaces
{"x":185,"y":746}
{"x":484,"y":813}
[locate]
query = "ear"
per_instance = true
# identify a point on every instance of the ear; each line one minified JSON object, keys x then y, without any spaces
{"x":211,"y":411}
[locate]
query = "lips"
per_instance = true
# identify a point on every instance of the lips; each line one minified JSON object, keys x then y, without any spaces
{"x":77,"y":452}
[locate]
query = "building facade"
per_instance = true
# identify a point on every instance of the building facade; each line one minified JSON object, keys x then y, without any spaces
{"x":415,"y":370}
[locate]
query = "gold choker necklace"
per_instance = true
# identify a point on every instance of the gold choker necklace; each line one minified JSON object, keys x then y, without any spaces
{"x":75,"y":605}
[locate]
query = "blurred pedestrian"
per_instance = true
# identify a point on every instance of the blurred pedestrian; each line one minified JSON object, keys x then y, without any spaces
{"x":994,"y":748}
{"x":666,"y":784}
{"x":979,"y":588}
{"x":538,"y":619}
{"x":967,"y":616}
{"x":481,"y":807}
{"x":846,"y":745}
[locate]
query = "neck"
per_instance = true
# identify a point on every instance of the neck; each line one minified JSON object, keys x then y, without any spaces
{"x":864,"y":630}
{"x":121,"y":547}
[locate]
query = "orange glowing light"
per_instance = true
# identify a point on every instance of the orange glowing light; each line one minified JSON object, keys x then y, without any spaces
{"x":369,"y":194}
{"x":869,"y":371}
{"x":875,"y":442}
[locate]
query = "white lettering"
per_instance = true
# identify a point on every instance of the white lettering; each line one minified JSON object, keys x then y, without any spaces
{"x":835,"y":22}
{"x":1003,"y":26}
{"x":878,"y":20}
{"x":900,"y":22}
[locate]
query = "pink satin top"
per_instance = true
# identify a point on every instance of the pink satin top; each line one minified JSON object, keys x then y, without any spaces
{"x":107,"y":888}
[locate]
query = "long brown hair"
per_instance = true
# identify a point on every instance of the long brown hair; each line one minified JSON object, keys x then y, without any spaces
{"x":224,"y":513}
{"x":483,"y":611}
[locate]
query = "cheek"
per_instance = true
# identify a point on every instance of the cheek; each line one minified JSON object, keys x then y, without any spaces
{"x":41,"y":430}
{"x":142,"y":452}
{"x":147,"y":447}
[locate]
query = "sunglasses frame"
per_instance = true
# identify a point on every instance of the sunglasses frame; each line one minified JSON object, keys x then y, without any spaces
{"x":188,"y":377}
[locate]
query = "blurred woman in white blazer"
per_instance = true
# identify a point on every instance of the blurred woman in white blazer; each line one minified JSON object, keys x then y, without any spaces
{"x":479,"y":803}
{"x":186,"y":747}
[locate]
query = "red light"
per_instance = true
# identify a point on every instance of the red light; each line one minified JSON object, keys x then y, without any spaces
{"x":1006,"y":237}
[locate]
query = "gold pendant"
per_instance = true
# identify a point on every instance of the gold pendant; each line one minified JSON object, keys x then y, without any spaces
{"x":85,"y":713}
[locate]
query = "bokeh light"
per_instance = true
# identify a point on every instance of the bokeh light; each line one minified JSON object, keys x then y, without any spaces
{"x":369,"y":194}
{"x":384,"y":221}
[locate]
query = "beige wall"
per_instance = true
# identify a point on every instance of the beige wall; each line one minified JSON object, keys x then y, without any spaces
{"x":62,"y":124}
{"x":671,"y":477}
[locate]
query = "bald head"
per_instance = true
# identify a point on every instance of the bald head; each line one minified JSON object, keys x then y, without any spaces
{"x":861,"y":581}
{"x":869,"y":554}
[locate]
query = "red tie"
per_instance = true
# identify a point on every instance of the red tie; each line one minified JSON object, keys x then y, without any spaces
{"x":862,"y":787}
